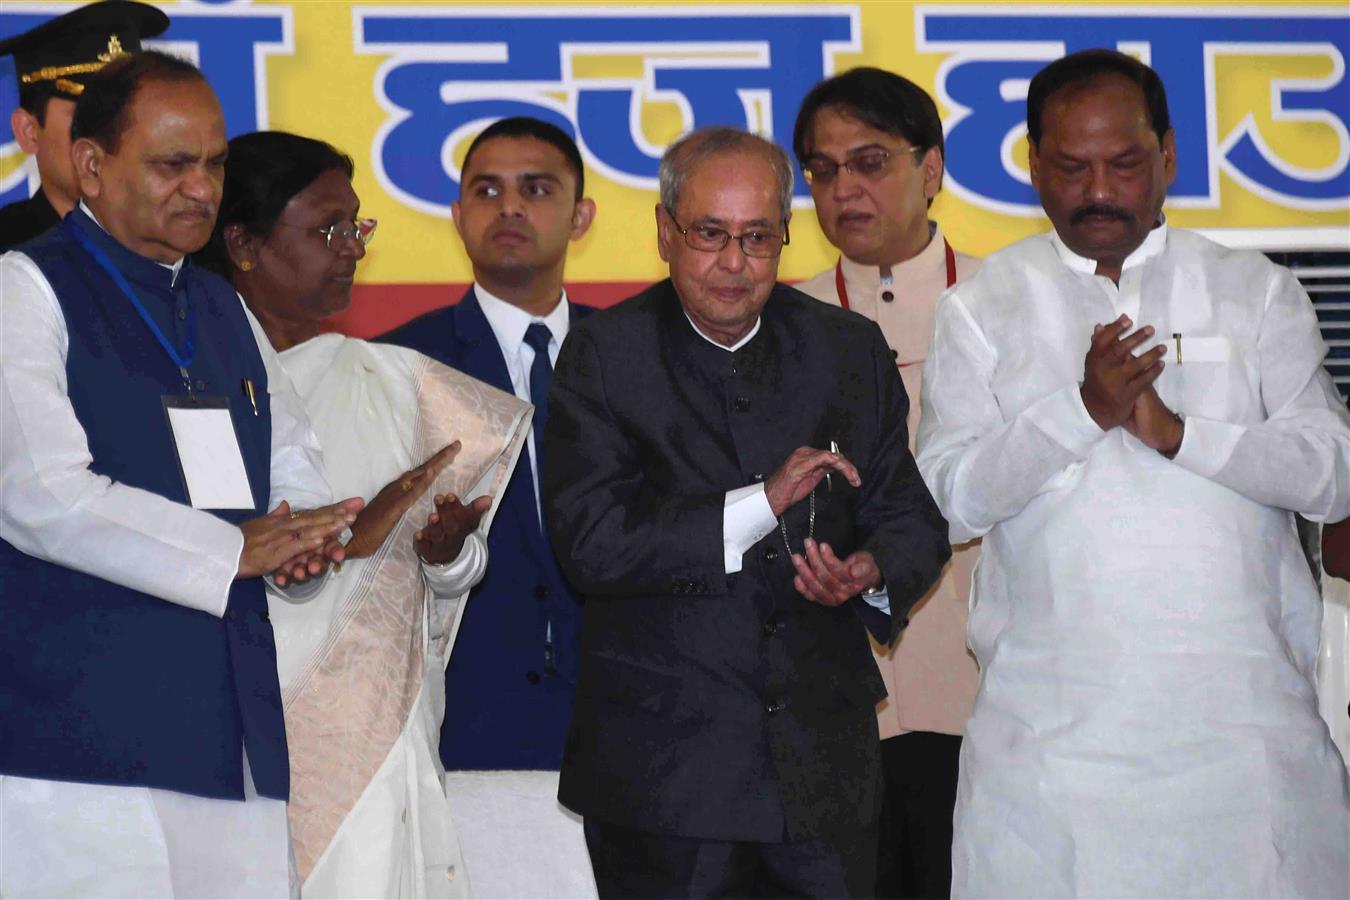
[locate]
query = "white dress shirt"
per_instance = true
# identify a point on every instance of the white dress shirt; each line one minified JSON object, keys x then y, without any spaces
{"x":509,"y":324}
{"x":97,"y":839}
{"x":1146,"y":722}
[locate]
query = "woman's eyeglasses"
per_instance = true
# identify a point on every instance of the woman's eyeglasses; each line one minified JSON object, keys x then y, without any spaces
{"x":362,"y":230}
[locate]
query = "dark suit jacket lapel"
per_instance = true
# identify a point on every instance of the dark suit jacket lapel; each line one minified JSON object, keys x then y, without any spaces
{"x":482,"y":357}
{"x":483,"y":360}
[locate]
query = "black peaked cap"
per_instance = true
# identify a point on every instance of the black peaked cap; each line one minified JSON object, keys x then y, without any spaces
{"x":64,"y":52}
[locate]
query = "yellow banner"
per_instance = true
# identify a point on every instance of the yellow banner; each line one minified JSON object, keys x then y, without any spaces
{"x":1258,"y":95}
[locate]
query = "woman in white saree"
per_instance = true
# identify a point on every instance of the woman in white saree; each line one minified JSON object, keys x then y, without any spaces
{"x":361,"y":663}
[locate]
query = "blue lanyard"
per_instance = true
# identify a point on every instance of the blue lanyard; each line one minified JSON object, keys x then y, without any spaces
{"x":189,"y":353}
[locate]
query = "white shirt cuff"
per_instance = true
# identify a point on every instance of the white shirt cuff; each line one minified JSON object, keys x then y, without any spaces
{"x":746,"y":519}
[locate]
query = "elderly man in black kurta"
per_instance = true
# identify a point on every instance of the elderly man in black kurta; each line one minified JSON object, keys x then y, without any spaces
{"x":729,"y":485}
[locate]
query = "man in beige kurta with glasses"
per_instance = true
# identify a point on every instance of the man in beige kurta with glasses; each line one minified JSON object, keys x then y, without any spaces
{"x":870,"y":143}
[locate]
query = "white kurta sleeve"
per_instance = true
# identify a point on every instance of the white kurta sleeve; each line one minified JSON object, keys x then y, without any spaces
{"x":53,"y":507}
{"x":1299,"y":457}
{"x":981,"y":467}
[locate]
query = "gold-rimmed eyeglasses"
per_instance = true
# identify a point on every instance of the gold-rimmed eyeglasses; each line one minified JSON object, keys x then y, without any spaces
{"x":362,"y":230}
{"x":756,"y":242}
{"x":359,"y":230}
{"x":871,"y":164}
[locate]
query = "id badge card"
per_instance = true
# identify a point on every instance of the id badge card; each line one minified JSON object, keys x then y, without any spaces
{"x":207,"y":448}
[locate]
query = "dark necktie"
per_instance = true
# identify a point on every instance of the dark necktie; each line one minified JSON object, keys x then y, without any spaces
{"x":541,"y":376}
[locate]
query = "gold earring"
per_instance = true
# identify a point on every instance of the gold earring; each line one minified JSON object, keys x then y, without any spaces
{"x":246,"y":266}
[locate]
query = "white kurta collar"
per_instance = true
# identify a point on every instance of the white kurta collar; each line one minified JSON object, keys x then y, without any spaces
{"x":1153,"y":245}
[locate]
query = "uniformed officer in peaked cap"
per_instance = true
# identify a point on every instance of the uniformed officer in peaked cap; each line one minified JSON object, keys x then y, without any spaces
{"x":51,"y":63}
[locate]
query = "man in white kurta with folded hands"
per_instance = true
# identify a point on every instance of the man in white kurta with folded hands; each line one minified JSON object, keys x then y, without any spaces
{"x":1130,"y":415}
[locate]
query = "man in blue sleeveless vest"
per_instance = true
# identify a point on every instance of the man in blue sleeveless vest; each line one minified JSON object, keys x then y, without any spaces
{"x":138,"y":685}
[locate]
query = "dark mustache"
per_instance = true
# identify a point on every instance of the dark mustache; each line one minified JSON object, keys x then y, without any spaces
{"x":1097,"y":209}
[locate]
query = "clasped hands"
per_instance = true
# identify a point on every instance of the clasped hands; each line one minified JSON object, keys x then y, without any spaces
{"x":822,"y":577}
{"x":294,"y":546}
{"x":441,"y":539}
{"x":1118,"y":386}
{"x":297,"y":546}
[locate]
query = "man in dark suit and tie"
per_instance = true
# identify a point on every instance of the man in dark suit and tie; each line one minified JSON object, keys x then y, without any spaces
{"x":513,"y":669}
{"x":724,"y":738}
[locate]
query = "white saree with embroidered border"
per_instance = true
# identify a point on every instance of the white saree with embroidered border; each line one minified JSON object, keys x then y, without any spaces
{"x":361,"y":664}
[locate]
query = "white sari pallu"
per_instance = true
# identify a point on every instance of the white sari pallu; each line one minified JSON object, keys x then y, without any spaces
{"x":362,"y":664}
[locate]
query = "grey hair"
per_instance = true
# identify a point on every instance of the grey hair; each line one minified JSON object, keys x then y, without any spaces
{"x":683,"y":156}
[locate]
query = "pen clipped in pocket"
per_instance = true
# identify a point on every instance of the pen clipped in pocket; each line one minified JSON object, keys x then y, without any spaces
{"x":1200,"y":349}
